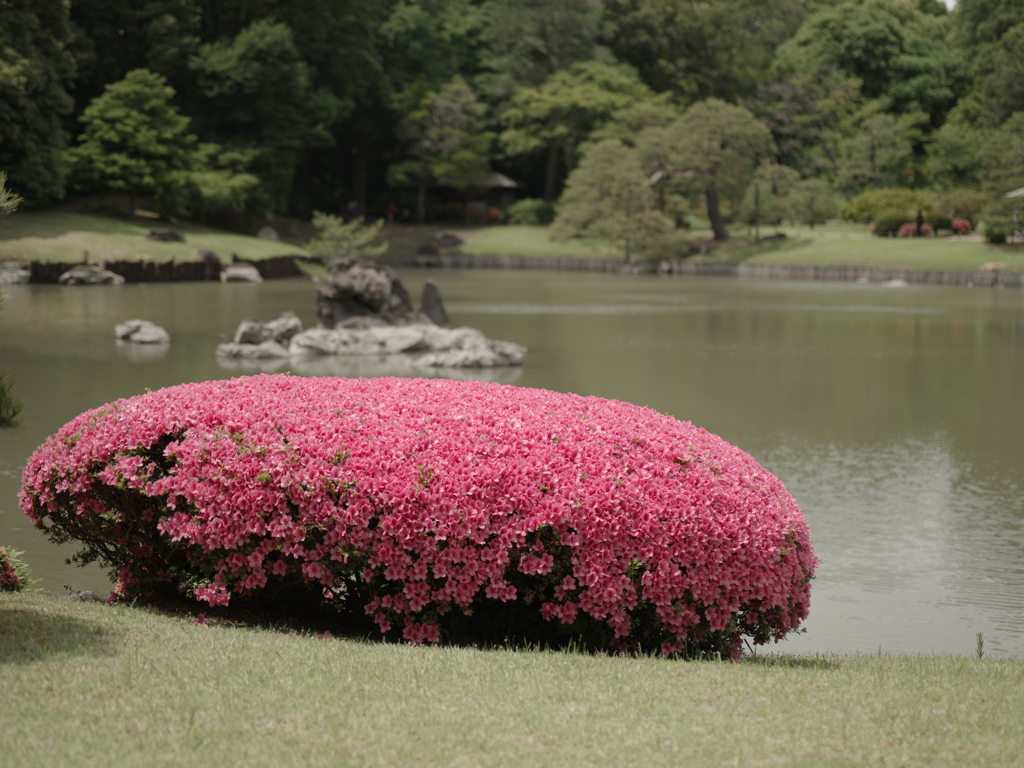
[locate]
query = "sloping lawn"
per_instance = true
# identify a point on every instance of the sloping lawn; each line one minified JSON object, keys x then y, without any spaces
{"x":88,"y":684}
{"x":63,"y":237}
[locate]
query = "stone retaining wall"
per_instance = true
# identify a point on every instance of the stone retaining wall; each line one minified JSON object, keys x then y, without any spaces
{"x":285,"y":266}
{"x":716,"y":269}
{"x":172,"y":271}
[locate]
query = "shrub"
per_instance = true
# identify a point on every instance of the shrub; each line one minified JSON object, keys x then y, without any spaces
{"x":965,"y":204}
{"x":14,"y":573}
{"x":876,"y":203}
{"x":938,"y":219}
{"x":440,"y":509}
{"x":1002,"y":219}
{"x":530,"y":210}
{"x":960,"y":226}
{"x":889,"y":223}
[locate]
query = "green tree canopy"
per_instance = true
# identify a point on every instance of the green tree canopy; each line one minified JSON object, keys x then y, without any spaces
{"x":134,"y":138}
{"x":894,"y":49}
{"x":560,"y":113}
{"x":445,"y":141}
{"x":698,"y":50}
{"x":256,"y":95}
{"x":608,"y":196}
{"x":36,"y":69}
{"x":714,"y":148}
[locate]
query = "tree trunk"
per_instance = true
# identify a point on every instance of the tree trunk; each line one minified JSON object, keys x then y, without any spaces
{"x":131,"y":203}
{"x":717,"y":225}
{"x":552,"y":171}
{"x":421,"y":203}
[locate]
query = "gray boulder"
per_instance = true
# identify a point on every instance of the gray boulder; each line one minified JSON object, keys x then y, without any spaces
{"x":432,"y":346}
{"x":359,"y":287}
{"x":432,"y":305}
{"x":281,"y":330}
{"x":263,"y":351}
{"x":240,"y":272}
{"x":12,"y":273}
{"x":141,"y":332}
{"x":89,"y":274}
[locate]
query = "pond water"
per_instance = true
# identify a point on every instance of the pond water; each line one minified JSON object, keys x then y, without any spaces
{"x":893,"y":415}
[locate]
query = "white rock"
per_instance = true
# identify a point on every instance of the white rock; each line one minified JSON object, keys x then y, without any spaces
{"x":240,"y":273}
{"x":141,"y":332}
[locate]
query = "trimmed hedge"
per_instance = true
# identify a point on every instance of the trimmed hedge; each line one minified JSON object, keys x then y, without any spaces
{"x":440,"y":509}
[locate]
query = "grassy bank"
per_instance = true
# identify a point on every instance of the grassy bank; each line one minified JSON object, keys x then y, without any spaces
{"x":63,"y":237}
{"x":88,"y":684}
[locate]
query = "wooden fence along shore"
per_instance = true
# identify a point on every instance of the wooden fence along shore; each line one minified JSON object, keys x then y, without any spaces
{"x":285,"y":266}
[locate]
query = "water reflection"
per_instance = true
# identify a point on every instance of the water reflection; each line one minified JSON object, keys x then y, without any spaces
{"x":893,"y":415}
{"x":365,"y":367}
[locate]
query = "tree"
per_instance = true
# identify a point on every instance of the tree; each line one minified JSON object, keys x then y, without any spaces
{"x":445,"y":142}
{"x":338,"y":239}
{"x":713,"y":148}
{"x":771,"y":197}
{"x":815,"y":202}
{"x":527,"y":41}
{"x":698,"y":50}
{"x":35,"y":71}
{"x":1003,"y":157}
{"x":878,"y":150}
{"x":895,"y":50}
{"x":256,"y":95}
{"x":134,"y":138}
{"x":608,"y":195}
{"x":954,"y":152}
{"x":559,"y":114}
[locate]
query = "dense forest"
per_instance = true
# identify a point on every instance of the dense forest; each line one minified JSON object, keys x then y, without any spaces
{"x":629,"y":113}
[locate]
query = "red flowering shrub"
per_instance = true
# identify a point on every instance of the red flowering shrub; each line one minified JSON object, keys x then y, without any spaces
{"x":910,"y":229}
{"x":437,"y":508}
{"x":961,"y":226}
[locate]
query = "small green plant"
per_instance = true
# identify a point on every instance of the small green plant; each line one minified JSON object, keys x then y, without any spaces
{"x":980,"y":648}
{"x":338,"y":238}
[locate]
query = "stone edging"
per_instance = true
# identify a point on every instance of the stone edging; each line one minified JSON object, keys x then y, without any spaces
{"x":708,"y":268}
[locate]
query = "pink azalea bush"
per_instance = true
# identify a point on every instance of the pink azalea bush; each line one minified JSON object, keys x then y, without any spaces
{"x":961,"y":226}
{"x":14,"y":574}
{"x":439,"y":509}
{"x":9,"y":580}
{"x":909,"y":229}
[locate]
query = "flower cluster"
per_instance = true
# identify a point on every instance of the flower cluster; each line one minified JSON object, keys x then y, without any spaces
{"x":909,"y":229}
{"x":10,"y":578}
{"x":432,"y":504}
{"x":961,"y":226}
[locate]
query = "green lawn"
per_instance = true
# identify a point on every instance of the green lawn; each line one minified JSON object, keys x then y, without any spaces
{"x":837,"y":244}
{"x":58,"y":236}
{"x":87,"y":684}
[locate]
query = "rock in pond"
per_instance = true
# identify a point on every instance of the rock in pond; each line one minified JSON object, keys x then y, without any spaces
{"x":141,"y":332}
{"x":89,"y":274}
{"x":13,"y":273}
{"x":240,"y":272}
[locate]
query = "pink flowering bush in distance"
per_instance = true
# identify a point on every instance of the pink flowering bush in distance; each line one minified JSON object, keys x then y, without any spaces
{"x":438,"y":509}
{"x":961,"y":226}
